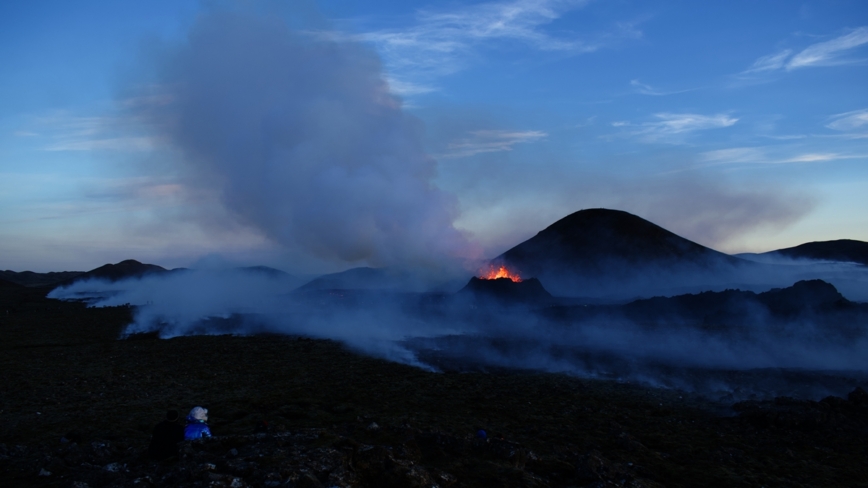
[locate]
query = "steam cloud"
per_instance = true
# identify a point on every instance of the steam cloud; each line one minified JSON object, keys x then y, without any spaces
{"x":303,"y":141}
{"x":436,"y":331}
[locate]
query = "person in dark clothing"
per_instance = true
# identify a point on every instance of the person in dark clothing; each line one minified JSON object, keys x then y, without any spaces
{"x":167,"y":435}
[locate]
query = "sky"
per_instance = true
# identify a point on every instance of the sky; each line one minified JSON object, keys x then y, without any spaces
{"x":319,"y":136}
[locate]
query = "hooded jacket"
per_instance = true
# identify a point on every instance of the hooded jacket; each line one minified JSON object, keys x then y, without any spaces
{"x":196,"y":429}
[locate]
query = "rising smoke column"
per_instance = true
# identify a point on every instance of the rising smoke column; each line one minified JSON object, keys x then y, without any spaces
{"x":302,"y":139}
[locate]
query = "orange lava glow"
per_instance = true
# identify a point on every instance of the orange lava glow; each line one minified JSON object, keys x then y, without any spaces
{"x":494,"y":273}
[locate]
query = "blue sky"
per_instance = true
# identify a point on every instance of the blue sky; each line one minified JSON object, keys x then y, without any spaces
{"x":740,"y":125}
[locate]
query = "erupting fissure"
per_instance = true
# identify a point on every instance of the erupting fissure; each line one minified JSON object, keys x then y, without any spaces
{"x":495,"y":273}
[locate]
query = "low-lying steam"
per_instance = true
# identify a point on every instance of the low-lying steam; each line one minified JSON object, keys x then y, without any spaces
{"x":720,"y":353}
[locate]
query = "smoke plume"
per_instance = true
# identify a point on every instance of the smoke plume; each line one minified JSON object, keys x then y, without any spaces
{"x":302,"y":139}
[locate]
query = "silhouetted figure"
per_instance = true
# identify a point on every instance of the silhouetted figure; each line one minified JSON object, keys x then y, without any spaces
{"x":167,"y":435}
{"x":197,"y":427}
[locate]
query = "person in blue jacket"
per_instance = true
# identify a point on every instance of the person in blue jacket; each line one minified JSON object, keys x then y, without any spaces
{"x":197,"y":427}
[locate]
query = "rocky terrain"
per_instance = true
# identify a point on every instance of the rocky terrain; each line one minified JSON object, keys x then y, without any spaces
{"x":77,"y":406}
{"x":505,"y":292}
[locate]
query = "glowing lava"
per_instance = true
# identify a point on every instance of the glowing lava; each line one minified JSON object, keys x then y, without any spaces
{"x":501,"y":272}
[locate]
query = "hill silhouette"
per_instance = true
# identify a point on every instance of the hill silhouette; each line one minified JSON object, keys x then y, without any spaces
{"x":599,"y":249}
{"x":365,"y":278}
{"x":30,"y":278}
{"x":787,"y":310}
{"x":129,"y":268}
{"x":277,"y":277}
{"x":351,"y":279}
{"x":268,"y":271}
{"x":844,"y":250}
{"x":736,"y":306}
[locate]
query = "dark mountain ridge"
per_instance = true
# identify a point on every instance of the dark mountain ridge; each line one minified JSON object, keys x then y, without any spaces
{"x":267,"y":271}
{"x":589,"y":239}
{"x":803,"y":297}
{"x":30,"y":278}
{"x":371,"y":279}
{"x":129,"y":268}
{"x":841,"y":250}
{"x":602,"y":251}
{"x":809,"y":301}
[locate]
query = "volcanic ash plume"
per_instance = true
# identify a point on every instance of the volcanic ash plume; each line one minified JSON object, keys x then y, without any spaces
{"x":301,"y":139}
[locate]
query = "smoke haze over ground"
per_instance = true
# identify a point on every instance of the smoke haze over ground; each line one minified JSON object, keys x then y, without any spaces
{"x":754,"y":353}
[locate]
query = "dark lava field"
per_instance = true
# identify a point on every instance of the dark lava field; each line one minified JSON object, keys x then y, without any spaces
{"x":77,"y":407}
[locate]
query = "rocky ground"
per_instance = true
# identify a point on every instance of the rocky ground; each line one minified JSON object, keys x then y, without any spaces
{"x":77,"y":407}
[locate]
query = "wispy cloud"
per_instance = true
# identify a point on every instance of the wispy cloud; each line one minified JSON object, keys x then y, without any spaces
{"x":669,"y":125}
{"x":646,"y":89}
{"x":816,"y":158}
{"x":678,"y":123}
{"x":440,"y":42}
{"x":765,"y":155}
{"x":66,"y":132}
{"x":735,"y":155}
{"x":104,"y":144}
{"x":771,"y":62}
{"x":408,"y":88}
{"x":826,"y":53}
{"x":849,"y":121}
{"x":486,"y":141}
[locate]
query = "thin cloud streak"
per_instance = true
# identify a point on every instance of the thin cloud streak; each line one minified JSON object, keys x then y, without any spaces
{"x":849,"y":121}
{"x":408,"y":88}
{"x":679,"y":123}
{"x":825,"y":53}
{"x":670,"y":125}
{"x":91,"y":133}
{"x":761,"y":155}
{"x":486,"y":141}
{"x":771,"y":62}
{"x":644,"y":89}
{"x":109,"y":144}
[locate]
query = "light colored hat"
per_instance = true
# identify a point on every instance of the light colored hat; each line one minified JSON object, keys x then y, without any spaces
{"x":199,"y":413}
